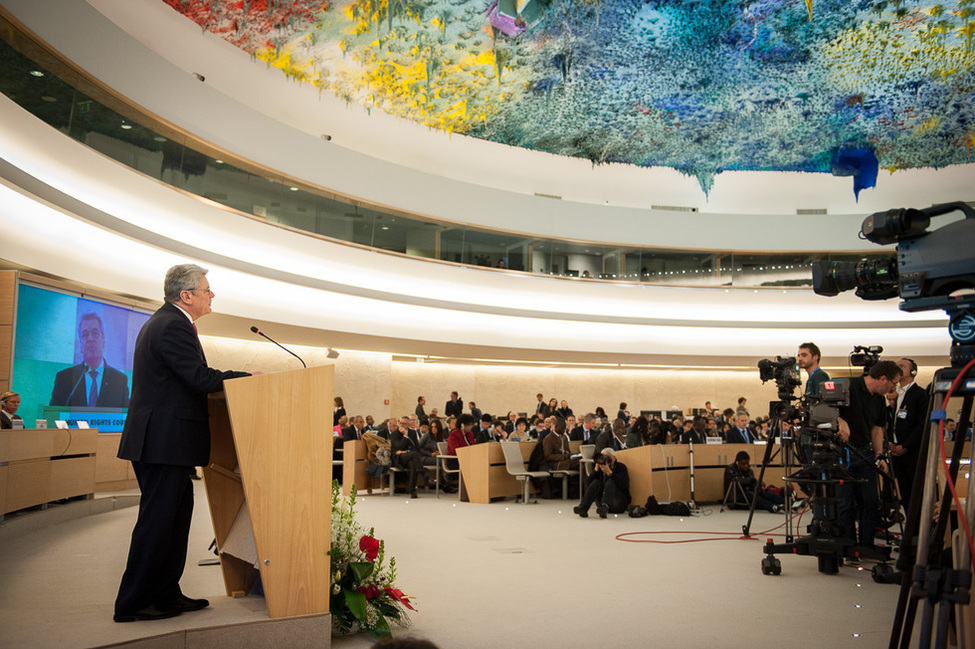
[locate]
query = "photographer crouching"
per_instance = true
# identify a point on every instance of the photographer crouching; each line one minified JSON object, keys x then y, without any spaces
{"x":861,"y":426}
{"x":609,"y":487}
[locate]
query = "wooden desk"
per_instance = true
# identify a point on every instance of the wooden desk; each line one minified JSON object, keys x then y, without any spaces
{"x":38,"y":466}
{"x":485,"y":475}
{"x":639,"y":465}
{"x":355,"y":461}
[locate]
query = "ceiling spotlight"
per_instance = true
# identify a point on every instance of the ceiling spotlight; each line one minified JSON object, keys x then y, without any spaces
{"x":294,"y":189}
{"x":126,"y":127}
{"x":159,"y":138}
{"x":36,"y":73}
{"x":199,"y":77}
{"x":326,"y":137}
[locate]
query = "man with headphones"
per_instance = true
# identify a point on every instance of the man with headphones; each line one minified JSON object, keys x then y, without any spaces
{"x":909,"y":412}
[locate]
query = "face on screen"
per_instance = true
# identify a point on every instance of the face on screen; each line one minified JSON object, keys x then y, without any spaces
{"x":92,"y":341}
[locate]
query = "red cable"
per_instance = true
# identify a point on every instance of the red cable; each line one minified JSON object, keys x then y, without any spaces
{"x":944,"y":458}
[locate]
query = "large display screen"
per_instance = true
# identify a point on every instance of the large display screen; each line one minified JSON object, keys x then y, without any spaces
{"x":73,"y":358}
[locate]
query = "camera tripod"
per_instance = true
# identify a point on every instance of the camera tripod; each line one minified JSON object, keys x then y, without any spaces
{"x":941,"y":589}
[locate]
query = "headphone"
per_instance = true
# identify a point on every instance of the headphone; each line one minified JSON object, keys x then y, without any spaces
{"x":913,"y":366}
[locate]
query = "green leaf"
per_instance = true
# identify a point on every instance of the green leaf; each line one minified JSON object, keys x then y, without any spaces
{"x":381,"y":628}
{"x":356,"y":603}
{"x":361,"y":570}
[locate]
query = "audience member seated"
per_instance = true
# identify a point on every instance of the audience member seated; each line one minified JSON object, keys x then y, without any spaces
{"x":740,"y":433}
{"x":639,"y":433}
{"x":571,"y":426}
{"x":484,"y":432}
{"x":405,"y":447}
{"x":354,"y":431}
{"x":587,"y":432}
{"x":460,"y":437}
{"x":520,"y":433}
{"x":740,"y":472}
{"x":611,"y":437}
{"x":695,"y":431}
{"x":609,"y":487}
{"x":9,"y":402}
{"x":556,"y":449}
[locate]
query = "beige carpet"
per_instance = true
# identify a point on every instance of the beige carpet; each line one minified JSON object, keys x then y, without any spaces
{"x":499,"y":575}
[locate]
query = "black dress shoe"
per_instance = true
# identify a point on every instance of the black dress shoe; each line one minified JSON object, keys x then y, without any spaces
{"x":184,"y":603}
{"x":413,"y":494}
{"x":149,"y":613}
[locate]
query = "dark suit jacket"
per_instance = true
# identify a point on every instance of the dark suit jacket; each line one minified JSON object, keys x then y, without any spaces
{"x":6,"y":421}
{"x":453,"y":408}
{"x":168,"y":420}
{"x":348,"y":433}
{"x":735,"y":436}
{"x":482,"y":436}
{"x":910,"y":428}
{"x":69,"y":388}
{"x":578,"y":435}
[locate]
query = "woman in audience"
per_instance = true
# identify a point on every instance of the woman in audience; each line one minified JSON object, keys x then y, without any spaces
{"x":601,"y":414}
{"x":639,"y":434}
{"x":338,"y":411}
{"x":499,"y":431}
{"x":564,"y":410}
{"x":552,"y":408}
{"x":520,"y":433}
{"x":460,"y":437}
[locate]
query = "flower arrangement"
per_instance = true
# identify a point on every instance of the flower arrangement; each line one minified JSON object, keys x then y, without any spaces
{"x":364,"y":596}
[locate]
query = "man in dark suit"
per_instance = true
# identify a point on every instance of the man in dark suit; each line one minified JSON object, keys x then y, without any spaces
{"x":910,"y":411}
{"x":485,"y":431}
{"x":454,"y":407}
{"x":91,"y":383}
{"x":167,"y":435}
{"x":585,"y":433}
{"x":355,"y":431}
{"x":739,"y":433}
{"x":405,"y":447}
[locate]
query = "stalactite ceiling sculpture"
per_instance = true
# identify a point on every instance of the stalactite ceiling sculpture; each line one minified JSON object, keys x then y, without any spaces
{"x":846,"y":87}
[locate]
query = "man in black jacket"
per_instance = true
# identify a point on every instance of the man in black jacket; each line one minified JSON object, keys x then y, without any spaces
{"x":609,"y":487}
{"x":92,"y":383}
{"x":909,"y":415}
{"x":166,"y":436}
{"x":454,"y":407}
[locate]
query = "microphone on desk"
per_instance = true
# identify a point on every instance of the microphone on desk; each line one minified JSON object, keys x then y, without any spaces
{"x":261,"y":333}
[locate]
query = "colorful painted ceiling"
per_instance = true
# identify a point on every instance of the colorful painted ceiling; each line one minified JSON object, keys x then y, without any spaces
{"x":703,"y":86}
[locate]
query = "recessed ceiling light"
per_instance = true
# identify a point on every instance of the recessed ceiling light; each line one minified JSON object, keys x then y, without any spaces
{"x":159,"y":138}
{"x":49,"y":99}
{"x":126,"y":127}
{"x":219,"y":162}
{"x":36,"y":73}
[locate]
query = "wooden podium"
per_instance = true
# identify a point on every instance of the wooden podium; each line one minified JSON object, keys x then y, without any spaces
{"x":272,"y":449}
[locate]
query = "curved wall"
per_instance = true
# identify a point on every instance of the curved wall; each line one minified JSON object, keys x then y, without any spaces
{"x":70,"y":212}
{"x":146,"y":52}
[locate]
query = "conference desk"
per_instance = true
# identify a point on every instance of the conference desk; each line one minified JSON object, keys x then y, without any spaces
{"x":665,"y":471}
{"x":38,"y":466}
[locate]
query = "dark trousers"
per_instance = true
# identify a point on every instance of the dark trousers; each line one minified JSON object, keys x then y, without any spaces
{"x":904,"y":468}
{"x":859,"y":501}
{"x":604,"y":491}
{"x":157,"y":552}
{"x":413,"y":462}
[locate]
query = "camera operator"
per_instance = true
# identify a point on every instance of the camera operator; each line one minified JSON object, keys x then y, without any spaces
{"x":609,"y":487}
{"x":909,"y":414}
{"x":861,"y":426}
{"x":808,"y":359}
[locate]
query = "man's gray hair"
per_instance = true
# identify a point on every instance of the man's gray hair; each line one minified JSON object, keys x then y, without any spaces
{"x":610,"y":452}
{"x":185,"y":277}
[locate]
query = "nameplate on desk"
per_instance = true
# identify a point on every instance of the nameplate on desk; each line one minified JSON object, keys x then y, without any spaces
{"x":714,"y":440}
{"x":62,"y":424}
{"x":40,"y":424}
{"x":17,"y":424}
{"x":82,"y":423}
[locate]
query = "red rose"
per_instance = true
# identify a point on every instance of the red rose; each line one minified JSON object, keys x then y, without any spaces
{"x":370,"y":546}
{"x":398,"y":595}
{"x":370,"y":591}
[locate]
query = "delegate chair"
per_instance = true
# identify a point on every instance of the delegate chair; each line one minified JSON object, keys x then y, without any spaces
{"x":515,"y":464}
{"x":442,"y":458}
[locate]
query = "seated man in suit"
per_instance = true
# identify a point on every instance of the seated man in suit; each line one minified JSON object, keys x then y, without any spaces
{"x":739,"y":433}
{"x":612,"y":437}
{"x":695,"y":431}
{"x":609,"y":487}
{"x":92,"y":383}
{"x":405,"y":447}
{"x":485,"y":432}
{"x":9,"y":402}
{"x":585,"y":433}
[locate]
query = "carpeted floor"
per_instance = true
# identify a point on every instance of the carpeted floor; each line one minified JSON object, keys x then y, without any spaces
{"x":499,"y":575}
